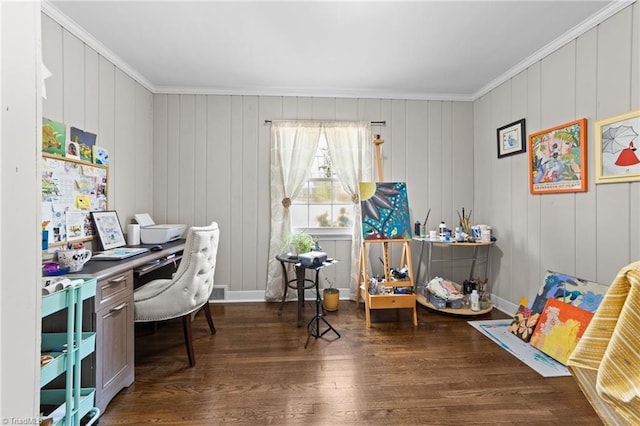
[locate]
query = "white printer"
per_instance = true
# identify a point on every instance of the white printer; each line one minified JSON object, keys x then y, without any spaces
{"x":150,"y":233}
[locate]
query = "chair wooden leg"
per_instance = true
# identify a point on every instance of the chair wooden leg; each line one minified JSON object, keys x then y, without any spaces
{"x":207,"y":313}
{"x":186,"y":323}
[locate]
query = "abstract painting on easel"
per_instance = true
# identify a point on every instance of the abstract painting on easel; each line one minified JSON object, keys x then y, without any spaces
{"x":385,"y":211}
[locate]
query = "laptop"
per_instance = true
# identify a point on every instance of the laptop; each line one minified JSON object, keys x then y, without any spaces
{"x":119,"y":253}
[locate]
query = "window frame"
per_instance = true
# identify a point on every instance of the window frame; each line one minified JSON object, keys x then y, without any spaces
{"x":337,"y":233}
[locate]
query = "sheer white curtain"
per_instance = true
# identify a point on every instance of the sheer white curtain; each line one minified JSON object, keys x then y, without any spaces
{"x":350,"y":148}
{"x":293,"y":148}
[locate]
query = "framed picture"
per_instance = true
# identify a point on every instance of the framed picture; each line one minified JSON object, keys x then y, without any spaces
{"x":108,"y":228}
{"x":511,"y":139}
{"x":616,"y":140}
{"x":558,"y":159}
{"x":73,"y":150}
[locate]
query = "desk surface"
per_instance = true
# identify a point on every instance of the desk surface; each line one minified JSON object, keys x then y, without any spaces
{"x":100,"y":269}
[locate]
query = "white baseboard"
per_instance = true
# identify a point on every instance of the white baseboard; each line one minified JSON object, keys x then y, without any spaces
{"x":259,"y":296}
{"x":505,"y":306}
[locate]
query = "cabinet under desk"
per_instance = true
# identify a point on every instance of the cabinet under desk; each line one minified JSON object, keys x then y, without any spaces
{"x":111,"y":313}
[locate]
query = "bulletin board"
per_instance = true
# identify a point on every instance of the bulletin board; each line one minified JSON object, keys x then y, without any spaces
{"x":71,"y":190}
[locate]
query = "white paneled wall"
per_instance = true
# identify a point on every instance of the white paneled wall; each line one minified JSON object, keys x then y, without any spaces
{"x":20,"y":256}
{"x":211,"y":162}
{"x":197,"y":158}
{"x":590,"y":234}
{"x":89,"y":92}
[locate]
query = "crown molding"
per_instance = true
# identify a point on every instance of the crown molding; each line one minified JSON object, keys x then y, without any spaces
{"x":71,"y":26}
{"x":75,"y":29}
{"x":605,"y":13}
{"x":300,"y":92}
{"x":68,"y":24}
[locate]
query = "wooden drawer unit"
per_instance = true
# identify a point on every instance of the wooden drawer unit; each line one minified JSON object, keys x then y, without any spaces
{"x":115,"y":341}
{"x":390,"y":301}
{"x":112,"y":288}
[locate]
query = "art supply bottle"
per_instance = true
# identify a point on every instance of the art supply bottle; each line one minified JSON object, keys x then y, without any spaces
{"x":458,"y":234}
{"x":442,"y":229}
{"x":475,"y":300}
{"x":416,"y":228}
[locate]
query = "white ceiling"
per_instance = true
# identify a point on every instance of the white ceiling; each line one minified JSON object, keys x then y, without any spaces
{"x":454,"y":50}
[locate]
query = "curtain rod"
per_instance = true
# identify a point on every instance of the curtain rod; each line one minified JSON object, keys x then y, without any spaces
{"x":373,"y":123}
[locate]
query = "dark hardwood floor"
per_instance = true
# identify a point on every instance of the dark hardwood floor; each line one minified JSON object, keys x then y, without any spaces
{"x":256,"y":371}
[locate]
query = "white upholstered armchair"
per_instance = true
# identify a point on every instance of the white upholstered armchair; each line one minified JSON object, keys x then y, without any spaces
{"x":189,"y":288}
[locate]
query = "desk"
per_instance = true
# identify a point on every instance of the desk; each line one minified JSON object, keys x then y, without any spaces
{"x":141,"y":264}
{"x":111,"y":367}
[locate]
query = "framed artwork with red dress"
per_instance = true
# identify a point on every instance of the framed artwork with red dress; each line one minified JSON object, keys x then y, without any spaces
{"x":617,"y":140}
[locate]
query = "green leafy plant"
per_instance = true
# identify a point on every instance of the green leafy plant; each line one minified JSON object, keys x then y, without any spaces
{"x":298,"y":242}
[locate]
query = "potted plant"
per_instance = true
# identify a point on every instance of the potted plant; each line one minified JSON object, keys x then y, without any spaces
{"x":330,"y":297}
{"x":298,"y":242}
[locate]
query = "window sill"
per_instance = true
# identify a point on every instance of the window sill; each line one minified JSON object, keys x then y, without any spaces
{"x":327,"y":234}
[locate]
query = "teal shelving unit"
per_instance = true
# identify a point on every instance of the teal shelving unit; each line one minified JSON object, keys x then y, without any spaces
{"x":67,"y":406}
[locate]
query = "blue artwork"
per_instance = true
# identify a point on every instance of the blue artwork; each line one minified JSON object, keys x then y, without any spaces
{"x":574,"y":291}
{"x":385,"y":211}
{"x":100,"y":155}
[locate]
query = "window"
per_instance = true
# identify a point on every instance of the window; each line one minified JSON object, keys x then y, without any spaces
{"x":323,"y":207}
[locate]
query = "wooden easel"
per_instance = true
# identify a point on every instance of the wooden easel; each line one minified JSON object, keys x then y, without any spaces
{"x":386,"y":301}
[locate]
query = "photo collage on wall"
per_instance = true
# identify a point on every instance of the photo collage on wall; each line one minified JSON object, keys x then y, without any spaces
{"x":70,"y":191}
{"x":72,"y":185}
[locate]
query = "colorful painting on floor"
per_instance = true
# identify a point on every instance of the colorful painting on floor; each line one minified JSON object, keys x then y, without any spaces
{"x":385,"y":211}
{"x":560,"y":328}
{"x":584,"y":294}
{"x":524,"y":323}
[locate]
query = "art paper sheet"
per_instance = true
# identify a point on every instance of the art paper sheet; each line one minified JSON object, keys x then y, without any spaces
{"x":497,"y":331}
